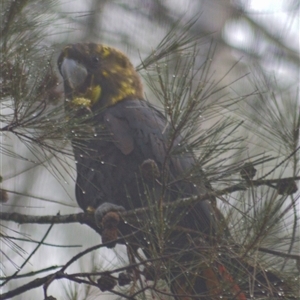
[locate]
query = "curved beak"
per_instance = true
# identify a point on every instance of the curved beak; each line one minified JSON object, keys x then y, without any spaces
{"x":73,"y":72}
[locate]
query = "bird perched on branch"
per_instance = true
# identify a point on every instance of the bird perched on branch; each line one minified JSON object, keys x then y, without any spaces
{"x":127,"y":156}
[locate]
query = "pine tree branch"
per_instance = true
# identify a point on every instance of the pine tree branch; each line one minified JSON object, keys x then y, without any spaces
{"x":88,"y":218}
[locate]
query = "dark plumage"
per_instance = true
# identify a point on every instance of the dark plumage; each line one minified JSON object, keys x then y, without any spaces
{"x":136,"y":135}
{"x":121,"y":132}
{"x":126,"y":131}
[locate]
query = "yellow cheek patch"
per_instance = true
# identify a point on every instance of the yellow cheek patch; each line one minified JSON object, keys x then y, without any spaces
{"x":125,"y":91}
{"x":105,"y":51}
{"x":93,"y":93}
{"x":127,"y":88}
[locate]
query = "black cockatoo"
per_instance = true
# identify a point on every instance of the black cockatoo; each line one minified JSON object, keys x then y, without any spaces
{"x":119,"y":134}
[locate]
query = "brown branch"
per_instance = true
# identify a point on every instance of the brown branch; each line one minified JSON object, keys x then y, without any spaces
{"x":280,"y":254}
{"x":26,"y":287}
{"x":49,"y":278}
{"x":130,"y":219}
{"x":131,"y":215}
{"x":31,"y":273}
{"x":81,"y":218}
